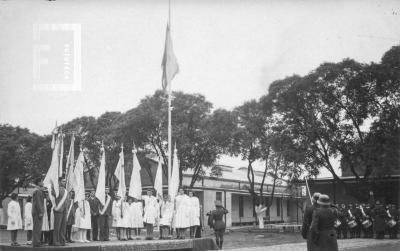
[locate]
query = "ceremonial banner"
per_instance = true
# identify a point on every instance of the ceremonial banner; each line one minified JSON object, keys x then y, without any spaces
{"x":173,"y":188}
{"x":80,"y":180}
{"x":135,"y":186}
{"x":101,"y":181}
{"x":71,"y":181}
{"x":158,"y":186}
{"x":169,"y":62}
{"x":120,"y":175}
{"x":52,"y":173}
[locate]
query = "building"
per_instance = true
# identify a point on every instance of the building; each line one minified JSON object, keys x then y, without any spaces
{"x":230,"y":187}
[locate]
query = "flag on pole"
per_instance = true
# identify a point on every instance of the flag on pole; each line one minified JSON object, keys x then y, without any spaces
{"x":135,"y":186}
{"x":169,"y":63}
{"x":52,"y":173}
{"x":101,"y":181}
{"x":80,"y":180}
{"x":173,"y":188}
{"x":71,"y":181}
{"x":158,"y":186}
{"x":61,"y":154}
{"x":120,"y":174}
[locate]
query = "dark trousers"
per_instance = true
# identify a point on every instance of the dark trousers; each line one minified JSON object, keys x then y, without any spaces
{"x":149,"y":231}
{"x":68,"y":233}
{"x":60,"y":224}
{"x":37,"y":230}
{"x":380,"y":235}
{"x":198,"y":232}
{"x":343,"y":231}
{"x":104,"y":228}
{"x":219,"y":237}
{"x":367,"y":232}
{"x":29,"y":235}
{"x":393,"y":232}
{"x":95,"y":227}
{"x":14,"y":234}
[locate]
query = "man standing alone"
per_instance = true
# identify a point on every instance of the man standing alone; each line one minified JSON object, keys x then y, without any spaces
{"x":37,"y":212}
{"x":60,"y":214}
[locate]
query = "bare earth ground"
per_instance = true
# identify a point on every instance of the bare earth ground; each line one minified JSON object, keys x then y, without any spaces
{"x":238,"y":240}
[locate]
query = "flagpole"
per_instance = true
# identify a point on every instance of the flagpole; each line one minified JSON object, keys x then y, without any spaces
{"x":308,"y":189}
{"x":169,"y":136}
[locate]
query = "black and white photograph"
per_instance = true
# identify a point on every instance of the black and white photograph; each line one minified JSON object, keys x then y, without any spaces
{"x":199,"y":125}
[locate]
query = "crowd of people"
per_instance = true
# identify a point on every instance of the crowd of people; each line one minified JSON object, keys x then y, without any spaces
{"x":324,"y":222}
{"x":67,"y":220}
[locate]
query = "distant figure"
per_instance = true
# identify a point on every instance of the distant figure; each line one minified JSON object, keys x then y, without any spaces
{"x":260,"y":209}
{"x":194,"y":213}
{"x":137,"y":217}
{"x":167,"y":212}
{"x":379,"y":217}
{"x":38,"y":211}
{"x":94,"y":212}
{"x":28,"y":226}
{"x":117,"y":215}
{"x":181,"y":218}
{"x":104,"y":214}
{"x":217,"y":223}
{"x":151,"y":212}
{"x":322,"y":228}
{"x":82,"y":221}
{"x":307,"y":219}
{"x":71,"y":208}
{"x":14,"y":218}
{"x":60,"y":214}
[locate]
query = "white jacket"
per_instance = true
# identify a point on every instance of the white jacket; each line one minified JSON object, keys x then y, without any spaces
{"x":14,"y":216}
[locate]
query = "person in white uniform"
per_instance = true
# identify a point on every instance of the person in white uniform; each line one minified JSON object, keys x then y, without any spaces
{"x":194,"y":213}
{"x":82,"y":221}
{"x":151,"y":210}
{"x":167,"y":213}
{"x":28,"y":220}
{"x":117,"y":213}
{"x":14,"y":221}
{"x":127,"y":218}
{"x":181,"y":218}
{"x":136,"y":211}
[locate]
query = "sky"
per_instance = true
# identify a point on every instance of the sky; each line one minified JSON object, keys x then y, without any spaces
{"x":229,"y":51}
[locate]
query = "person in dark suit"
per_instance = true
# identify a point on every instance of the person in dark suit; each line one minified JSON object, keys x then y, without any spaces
{"x":104,"y":214}
{"x":368,"y":233}
{"x":71,"y":208}
{"x":94,"y":212}
{"x":343,"y":215}
{"x":217,"y":223}
{"x":37,"y":212}
{"x":379,"y":216}
{"x":322,"y":229}
{"x":60,"y":214}
{"x":393,"y":213}
{"x":358,"y":217}
{"x":307,"y":219}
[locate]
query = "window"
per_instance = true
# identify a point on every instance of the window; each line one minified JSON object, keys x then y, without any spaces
{"x":278,"y":206}
{"x":218,"y":196}
{"x":240,"y":205}
{"x":288,"y":208}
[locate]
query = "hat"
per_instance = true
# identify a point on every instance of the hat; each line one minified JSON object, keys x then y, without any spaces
{"x":218,"y":203}
{"x":323,"y":200}
{"x":316,"y":196}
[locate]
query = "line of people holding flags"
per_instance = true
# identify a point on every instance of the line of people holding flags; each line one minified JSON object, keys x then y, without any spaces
{"x":78,"y":221}
{"x":324,"y":222}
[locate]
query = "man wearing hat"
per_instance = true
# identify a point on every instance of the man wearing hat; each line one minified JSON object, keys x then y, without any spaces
{"x":322,"y":228}
{"x":216,"y":221}
{"x":60,"y":213}
{"x":307,"y":219}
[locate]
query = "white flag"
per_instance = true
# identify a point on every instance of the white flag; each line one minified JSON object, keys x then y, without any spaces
{"x":158,"y":186}
{"x":61,"y":154}
{"x":101,"y":181}
{"x":173,"y":187}
{"x":135,"y":186}
{"x":80,"y":180}
{"x":71,"y":181}
{"x":120,"y":174}
{"x":52,"y":173}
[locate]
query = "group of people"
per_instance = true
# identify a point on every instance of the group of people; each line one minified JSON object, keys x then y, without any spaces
{"x":63,"y":219}
{"x":324,"y":222}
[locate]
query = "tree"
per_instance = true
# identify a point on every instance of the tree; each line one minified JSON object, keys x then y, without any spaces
{"x":20,"y":162}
